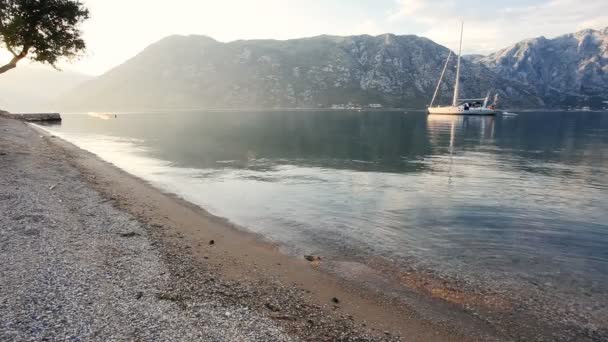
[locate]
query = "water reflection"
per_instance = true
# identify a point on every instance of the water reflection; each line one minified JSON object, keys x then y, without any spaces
{"x":517,"y":196}
{"x":469,"y":130}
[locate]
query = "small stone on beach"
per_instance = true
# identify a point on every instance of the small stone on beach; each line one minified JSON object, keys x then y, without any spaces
{"x":312,"y":257}
{"x":285,"y":317}
{"x":272,"y":307}
{"x":129,"y":234}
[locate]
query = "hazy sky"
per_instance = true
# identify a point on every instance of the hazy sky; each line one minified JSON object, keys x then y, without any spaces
{"x":119,"y":29}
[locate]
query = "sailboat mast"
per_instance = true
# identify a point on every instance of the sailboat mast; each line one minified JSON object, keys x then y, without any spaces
{"x":456,"y":87}
{"x":441,"y":78}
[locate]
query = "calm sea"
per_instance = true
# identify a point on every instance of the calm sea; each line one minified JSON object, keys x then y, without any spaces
{"x":513,"y":199}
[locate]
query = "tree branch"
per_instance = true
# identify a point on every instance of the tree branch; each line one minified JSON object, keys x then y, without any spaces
{"x":13,"y":63}
{"x":10,"y":65}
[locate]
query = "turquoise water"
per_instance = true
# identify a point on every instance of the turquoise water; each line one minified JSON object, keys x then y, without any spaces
{"x":518,"y":199}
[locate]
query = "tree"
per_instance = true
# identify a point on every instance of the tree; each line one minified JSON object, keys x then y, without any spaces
{"x":42,"y":30}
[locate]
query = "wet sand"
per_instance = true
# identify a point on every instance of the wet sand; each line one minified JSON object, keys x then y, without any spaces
{"x":208,"y":256}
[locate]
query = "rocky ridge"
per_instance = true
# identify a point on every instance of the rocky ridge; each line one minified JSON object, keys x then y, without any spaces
{"x":199,"y":72}
{"x":569,"y":70}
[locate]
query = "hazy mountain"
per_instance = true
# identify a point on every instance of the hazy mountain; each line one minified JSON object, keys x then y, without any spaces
{"x":568,"y":70}
{"x":199,"y":72}
{"x":35,"y":88}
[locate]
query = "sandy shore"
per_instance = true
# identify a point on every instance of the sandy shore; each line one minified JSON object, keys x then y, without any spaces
{"x":91,"y":252}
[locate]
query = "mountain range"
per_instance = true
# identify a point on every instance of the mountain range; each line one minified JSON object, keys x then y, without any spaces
{"x":570,"y":70}
{"x":194,"y":72}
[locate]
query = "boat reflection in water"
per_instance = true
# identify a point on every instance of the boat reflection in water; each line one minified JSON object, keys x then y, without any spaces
{"x":480,"y":129}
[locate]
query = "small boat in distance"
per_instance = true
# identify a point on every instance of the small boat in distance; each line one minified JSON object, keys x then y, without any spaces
{"x":461,"y":106}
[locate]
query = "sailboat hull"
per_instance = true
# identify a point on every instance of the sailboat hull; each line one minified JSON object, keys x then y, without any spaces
{"x":452,"y":110}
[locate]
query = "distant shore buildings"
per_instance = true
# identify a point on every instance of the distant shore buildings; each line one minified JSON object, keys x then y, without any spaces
{"x":351,"y":106}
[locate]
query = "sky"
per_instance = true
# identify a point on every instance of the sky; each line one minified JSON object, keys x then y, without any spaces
{"x":119,"y":29}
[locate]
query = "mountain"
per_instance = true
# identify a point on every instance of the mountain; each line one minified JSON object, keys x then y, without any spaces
{"x":35,"y":88}
{"x":182,"y":72}
{"x":570,"y":70}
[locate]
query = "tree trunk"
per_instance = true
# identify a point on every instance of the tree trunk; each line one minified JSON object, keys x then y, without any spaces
{"x":12,"y":64}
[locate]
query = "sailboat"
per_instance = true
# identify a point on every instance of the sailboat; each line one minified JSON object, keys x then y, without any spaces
{"x":460,"y":106}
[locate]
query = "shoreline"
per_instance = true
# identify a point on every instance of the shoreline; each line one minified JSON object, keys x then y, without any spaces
{"x":76,"y":267}
{"x":185,"y":231}
{"x":414,"y":305}
{"x":241,"y":256}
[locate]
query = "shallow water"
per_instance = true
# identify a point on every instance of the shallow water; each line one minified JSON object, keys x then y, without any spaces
{"x":519,"y":198}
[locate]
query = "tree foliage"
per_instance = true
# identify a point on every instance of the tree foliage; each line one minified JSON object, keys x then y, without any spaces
{"x":43,"y":30}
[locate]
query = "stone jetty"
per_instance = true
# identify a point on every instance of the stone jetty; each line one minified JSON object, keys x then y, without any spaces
{"x":32,"y":116}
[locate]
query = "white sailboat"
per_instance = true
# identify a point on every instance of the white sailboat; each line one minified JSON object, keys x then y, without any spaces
{"x":460,"y":106}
